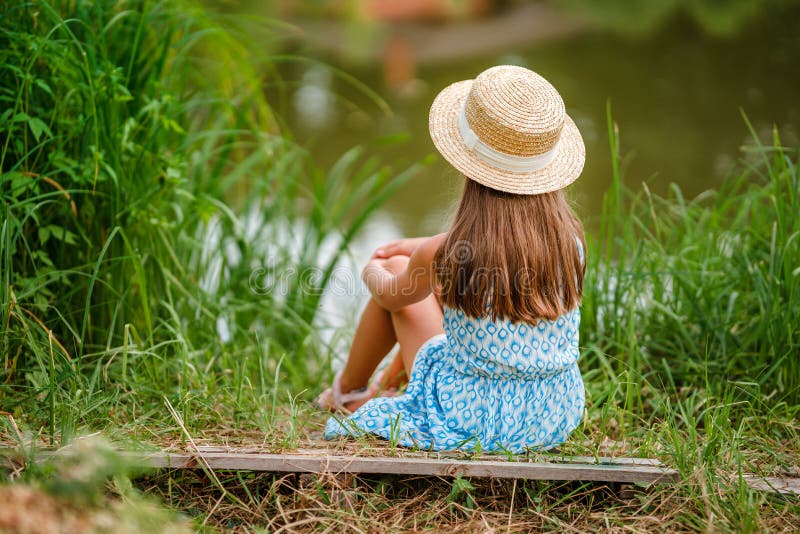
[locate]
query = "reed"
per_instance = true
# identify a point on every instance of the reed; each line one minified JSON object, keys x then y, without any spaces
{"x":678,"y":289}
{"x":144,"y":180}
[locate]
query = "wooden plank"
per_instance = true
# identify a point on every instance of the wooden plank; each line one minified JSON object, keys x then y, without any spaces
{"x":556,"y":458}
{"x":602,"y":469}
{"x":784,"y":485}
{"x":335,"y":464}
{"x":585,"y":468}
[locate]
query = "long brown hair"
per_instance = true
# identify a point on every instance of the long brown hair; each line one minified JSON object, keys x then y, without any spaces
{"x":512,"y":256}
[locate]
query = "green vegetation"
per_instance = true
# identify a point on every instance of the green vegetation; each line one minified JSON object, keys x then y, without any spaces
{"x":128,"y":133}
{"x":690,"y":325}
{"x":703,"y":292}
{"x":641,"y":17}
{"x":127,"y":129}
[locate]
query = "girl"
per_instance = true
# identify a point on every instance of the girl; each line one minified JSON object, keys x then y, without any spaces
{"x":486,"y":315}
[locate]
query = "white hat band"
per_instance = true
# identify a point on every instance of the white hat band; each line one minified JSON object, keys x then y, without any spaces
{"x":501,"y":160}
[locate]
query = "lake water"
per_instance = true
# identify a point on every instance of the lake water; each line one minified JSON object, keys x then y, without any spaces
{"x":676,"y":97}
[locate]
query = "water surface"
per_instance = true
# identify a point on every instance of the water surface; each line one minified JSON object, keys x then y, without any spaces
{"x":677,"y":97}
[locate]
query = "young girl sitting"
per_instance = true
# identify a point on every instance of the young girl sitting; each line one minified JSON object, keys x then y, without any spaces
{"x":486,"y":315}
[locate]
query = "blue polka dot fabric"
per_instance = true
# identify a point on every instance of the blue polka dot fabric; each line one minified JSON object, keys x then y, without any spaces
{"x":494,"y":386}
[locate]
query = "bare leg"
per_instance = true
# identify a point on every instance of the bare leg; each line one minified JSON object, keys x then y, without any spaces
{"x":395,"y":374}
{"x":373,"y":340}
{"x":377,"y":332}
{"x":414,"y":325}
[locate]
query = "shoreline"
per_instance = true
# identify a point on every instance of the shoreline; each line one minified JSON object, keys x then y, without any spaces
{"x":518,"y":26}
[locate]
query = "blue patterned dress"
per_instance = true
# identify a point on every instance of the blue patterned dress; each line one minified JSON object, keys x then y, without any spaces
{"x":508,"y":386}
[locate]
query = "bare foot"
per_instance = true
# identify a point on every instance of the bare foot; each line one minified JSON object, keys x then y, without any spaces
{"x":383,"y":385}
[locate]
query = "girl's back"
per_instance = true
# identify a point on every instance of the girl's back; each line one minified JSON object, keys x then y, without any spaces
{"x":503,"y":350}
{"x":510,"y":385}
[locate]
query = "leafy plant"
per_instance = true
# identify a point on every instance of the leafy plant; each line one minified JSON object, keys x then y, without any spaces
{"x":461,"y":493}
{"x":145,"y":184}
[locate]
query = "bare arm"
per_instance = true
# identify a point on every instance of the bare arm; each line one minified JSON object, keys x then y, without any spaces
{"x":395,"y":291}
{"x":401,"y":247}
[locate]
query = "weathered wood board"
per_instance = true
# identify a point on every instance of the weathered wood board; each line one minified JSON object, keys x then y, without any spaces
{"x":613,"y":471}
{"x":784,"y":485}
{"x":584,"y":468}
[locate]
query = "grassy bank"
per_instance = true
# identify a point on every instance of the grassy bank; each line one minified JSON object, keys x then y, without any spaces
{"x":701,"y":293}
{"x":145,"y":180}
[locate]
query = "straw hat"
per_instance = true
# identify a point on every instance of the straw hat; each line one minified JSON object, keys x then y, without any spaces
{"x":507,"y":129}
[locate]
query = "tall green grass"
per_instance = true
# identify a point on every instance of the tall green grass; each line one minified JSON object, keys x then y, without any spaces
{"x":700,"y":293}
{"x":689,"y":328}
{"x":144,"y":179}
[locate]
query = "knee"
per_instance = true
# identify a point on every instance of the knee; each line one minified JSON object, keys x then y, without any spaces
{"x":426,"y":311}
{"x":396,"y":264}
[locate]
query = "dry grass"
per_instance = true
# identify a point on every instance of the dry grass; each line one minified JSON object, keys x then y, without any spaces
{"x":27,"y":509}
{"x":305,"y":503}
{"x":708,"y":498}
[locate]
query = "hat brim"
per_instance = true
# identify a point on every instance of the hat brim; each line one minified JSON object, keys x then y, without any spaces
{"x":564,"y":169}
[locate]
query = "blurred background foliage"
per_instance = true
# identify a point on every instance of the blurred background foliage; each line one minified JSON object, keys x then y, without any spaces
{"x":642,"y":17}
{"x":676,"y":86}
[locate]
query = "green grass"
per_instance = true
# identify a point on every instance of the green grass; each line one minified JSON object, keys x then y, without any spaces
{"x":145,"y":180}
{"x":690,"y":325}
{"x":703,"y":293}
